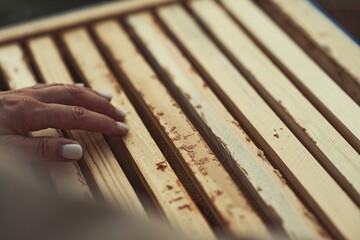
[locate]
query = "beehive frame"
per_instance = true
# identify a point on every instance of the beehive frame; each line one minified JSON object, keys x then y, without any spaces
{"x":229,"y":129}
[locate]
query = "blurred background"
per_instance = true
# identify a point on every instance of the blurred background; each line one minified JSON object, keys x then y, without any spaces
{"x":345,"y":12}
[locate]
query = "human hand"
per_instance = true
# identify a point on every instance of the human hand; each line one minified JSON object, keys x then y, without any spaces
{"x":57,"y":106}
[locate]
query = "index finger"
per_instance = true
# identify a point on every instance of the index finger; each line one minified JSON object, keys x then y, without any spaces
{"x":76,"y":95}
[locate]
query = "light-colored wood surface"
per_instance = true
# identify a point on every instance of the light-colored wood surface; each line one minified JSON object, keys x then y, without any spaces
{"x":108,"y":176}
{"x":14,"y":66}
{"x":332,"y":205}
{"x":261,"y":176}
{"x":67,"y":177}
{"x":330,"y":99}
{"x":264,"y":97}
{"x":307,"y":123}
{"x":212,"y":180}
{"x":162,"y":183}
{"x":336,"y":52}
{"x":64,"y":20}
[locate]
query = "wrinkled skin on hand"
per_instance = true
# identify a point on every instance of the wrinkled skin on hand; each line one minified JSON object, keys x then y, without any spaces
{"x":59,"y":106}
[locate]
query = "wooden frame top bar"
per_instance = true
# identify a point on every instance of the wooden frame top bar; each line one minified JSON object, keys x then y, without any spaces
{"x":76,"y":17}
{"x":325,"y":33}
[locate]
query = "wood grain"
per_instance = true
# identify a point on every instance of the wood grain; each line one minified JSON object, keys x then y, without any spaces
{"x":238,"y":150}
{"x":212,"y":180}
{"x":322,"y":39}
{"x":295,"y":162}
{"x":14,"y":66}
{"x":339,"y":109}
{"x":63,"y":174}
{"x":109,"y":177}
{"x":162,"y":183}
{"x":219,"y":96}
{"x":66,"y":177}
{"x":336,"y":155}
{"x":82,"y":16}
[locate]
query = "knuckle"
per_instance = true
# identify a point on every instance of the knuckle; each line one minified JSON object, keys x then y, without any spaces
{"x":6,"y":100}
{"x":54,"y":84}
{"x":45,"y":85}
{"x":28,"y":103}
{"x":17,"y":91}
{"x":13,"y":102}
{"x":42,"y":147}
{"x":74,"y":90}
{"x":39,"y":86}
{"x":78,"y":112}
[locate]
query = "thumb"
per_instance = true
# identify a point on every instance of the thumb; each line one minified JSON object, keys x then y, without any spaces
{"x":49,"y":148}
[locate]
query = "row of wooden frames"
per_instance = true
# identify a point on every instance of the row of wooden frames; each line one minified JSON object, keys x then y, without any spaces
{"x":244,"y":115}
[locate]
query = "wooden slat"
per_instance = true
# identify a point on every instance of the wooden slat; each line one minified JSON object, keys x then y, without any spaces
{"x":303,"y":119}
{"x":14,"y":66}
{"x":335,"y":52}
{"x":161,"y":182}
{"x":330,"y":202}
{"x":63,"y":174}
{"x":315,"y":84}
{"x":82,"y":16}
{"x":203,"y":167}
{"x":108,"y":175}
{"x":66,"y":177}
{"x":258,"y":174}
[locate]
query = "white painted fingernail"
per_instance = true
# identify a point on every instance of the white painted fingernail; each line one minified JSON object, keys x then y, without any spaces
{"x":80,"y":84}
{"x":72,"y":151}
{"x":108,"y":96}
{"x":120,"y":112}
{"x":122,"y":126}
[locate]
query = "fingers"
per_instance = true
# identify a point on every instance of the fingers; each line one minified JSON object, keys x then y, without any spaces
{"x":48,"y":149}
{"x":28,"y":110}
{"x":72,"y":117}
{"x":59,"y":106}
{"x":75,"y":95}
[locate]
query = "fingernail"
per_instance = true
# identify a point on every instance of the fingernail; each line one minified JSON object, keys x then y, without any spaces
{"x":121,"y":112}
{"x":80,"y":84}
{"x":72,"y":151}
{"x":108,"y":96}
{"x":122,"y":126}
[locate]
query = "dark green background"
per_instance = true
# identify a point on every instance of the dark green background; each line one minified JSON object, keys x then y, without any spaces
{"x":346,"y":12}
{"x":14,"y":11}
